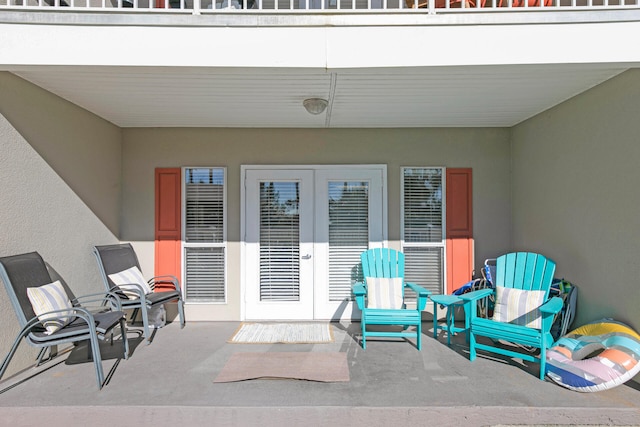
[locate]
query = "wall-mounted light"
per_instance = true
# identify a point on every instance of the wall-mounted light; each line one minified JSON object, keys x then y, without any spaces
{"x":315,"y":105}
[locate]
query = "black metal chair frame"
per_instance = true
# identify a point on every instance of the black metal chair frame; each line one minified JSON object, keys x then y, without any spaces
{"x":29,"y":270}
{"x":116,"y":258}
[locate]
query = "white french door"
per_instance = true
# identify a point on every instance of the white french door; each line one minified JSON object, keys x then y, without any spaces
{"x":349,"y":220}
{"x":279,"y":244}
{"x":304,"y":232}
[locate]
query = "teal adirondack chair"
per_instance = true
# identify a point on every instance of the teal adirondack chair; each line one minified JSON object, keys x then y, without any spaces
{"x":381,"y":297}
{"x":523,"y":313}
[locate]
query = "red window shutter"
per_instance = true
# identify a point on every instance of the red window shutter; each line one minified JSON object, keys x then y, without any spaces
{"x":459,"y":228}
{"x":168,"y":222}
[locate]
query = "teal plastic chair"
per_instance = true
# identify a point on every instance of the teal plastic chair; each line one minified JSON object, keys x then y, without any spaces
{"x":521,"y":271}
{"x":388,"y":264}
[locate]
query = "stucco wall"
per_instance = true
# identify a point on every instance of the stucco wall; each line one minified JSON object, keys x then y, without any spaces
{"x":40,"y":211}
{"x":81,"y":147}
{"x":484,"y":150}
{"x":576,"y":199}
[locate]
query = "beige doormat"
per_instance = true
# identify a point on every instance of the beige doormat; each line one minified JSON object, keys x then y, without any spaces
{"x":284,"y":333}
{"x":322,"y":367}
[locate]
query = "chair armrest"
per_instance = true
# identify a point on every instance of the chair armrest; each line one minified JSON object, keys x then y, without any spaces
{"x":422,"y":294}
{"x":72,"y":312}
{"x":164,"y":280}
{"x":133,"y":287}
{"x":548,"y":310}
{"x":476,"y":295}
{"x":359,"y":291}
{"x":552,"y":306}
{"x":419,"y":290}
{"x":104,"y":297}
{"x":470,"y":300}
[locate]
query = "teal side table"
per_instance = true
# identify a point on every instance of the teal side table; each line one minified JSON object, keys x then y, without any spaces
{"x":450,"y":302}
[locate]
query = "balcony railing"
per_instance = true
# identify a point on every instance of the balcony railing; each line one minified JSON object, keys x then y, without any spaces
{"x":320,"y":6}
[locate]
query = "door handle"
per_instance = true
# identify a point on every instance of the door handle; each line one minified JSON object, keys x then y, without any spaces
{"x":307,"y":256}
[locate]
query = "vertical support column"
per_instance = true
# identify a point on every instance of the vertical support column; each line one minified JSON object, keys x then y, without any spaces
{"x":459,"y":243}
{"x":168,"y":222}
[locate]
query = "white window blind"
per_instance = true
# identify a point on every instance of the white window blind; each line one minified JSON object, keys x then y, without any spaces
{"x":204,"y":235}
{"x":204,"y":205}
{"x":423,"y":233}
{"x":423,"y":205}
{"x":423,"y":265}
{"x":279,"y":241}
{"x":348,"y":235}
{"x":205,"y":274}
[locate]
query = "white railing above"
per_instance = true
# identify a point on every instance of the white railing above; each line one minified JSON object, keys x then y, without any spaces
{"x":319,"y":6}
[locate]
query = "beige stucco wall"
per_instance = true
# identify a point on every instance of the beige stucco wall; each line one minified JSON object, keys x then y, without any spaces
{"x":576,"y":199}
{"x":59,"y":168}
{"x":484,"y":150}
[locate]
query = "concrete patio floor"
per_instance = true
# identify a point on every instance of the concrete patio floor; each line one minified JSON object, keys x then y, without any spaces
{"x":170,"y":383}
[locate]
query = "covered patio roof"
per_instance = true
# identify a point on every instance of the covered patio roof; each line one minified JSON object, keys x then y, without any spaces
{"x":150,"y":69}
{"x":449,"y":96}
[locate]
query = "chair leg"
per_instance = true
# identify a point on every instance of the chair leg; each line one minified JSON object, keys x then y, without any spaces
{"x":41,"y":354}
{"x":125,"y":340}
{"x":181,"y":312}
{"x":466,"y":327}
{"x":364,"y":334}
{"x":419,"y":336}
{"x":12,"y":351}
{"x":97,"y":360}
{"x":543,"y":363}
{"x":472,"y":346}
{"x":450,"y":323}
{"x":435,"y":320}
{"x":145,"y":323}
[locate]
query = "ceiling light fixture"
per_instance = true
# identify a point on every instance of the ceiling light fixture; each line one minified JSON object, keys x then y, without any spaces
{"x":315,"y":105}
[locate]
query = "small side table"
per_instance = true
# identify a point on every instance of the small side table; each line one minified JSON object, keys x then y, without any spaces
{"x":450,"y":302}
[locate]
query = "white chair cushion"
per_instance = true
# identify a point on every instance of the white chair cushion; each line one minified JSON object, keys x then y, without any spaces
{"x":47,"y":298}
{"x":518,"y":306}
{"x":385,"y":293}
{"x":127,"y":279}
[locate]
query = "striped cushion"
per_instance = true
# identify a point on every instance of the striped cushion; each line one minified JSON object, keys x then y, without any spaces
{"x":49,"y":298}
{"x":384,"y":293}
{"x":126,"y":278}
{"x":518,"y":306}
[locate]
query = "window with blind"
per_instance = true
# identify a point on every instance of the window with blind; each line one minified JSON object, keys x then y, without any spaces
{"x":348,"y":235}
{"x":422,"y":226}
{"x":279,"y":241}
{"x":204,"y":235}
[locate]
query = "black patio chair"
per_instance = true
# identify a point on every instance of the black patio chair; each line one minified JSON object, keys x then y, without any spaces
{"x":116,"y":259}
{"x":76,"y":322}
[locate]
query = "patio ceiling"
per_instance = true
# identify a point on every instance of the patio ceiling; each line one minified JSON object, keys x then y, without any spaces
{"x":470,"y":96}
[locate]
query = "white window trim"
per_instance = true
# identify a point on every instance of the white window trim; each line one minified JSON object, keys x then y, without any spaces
{"x":222,"y":245}
{"x":443,"y":243}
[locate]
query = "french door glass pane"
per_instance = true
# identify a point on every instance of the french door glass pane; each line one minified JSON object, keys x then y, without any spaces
{"x":348,"y":235}
{"x":279,"y":241}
